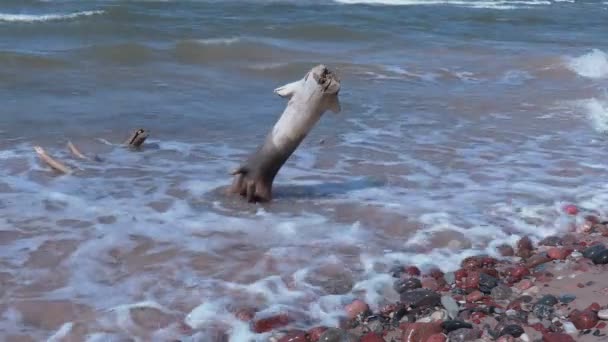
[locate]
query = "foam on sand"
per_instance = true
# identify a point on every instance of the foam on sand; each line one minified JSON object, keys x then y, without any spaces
{"x":591,"y":65}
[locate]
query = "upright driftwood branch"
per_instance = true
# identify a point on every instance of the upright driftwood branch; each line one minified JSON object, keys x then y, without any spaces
{"x":308,"y":98}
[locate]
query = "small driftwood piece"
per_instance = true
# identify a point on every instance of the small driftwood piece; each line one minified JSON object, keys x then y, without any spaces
{"x":76,"y":152}
{"x":137,"y":138}
{"x":308,"y":98}
{"x":52,"y":162}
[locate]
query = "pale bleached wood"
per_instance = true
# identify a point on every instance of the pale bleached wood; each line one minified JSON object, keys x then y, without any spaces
{"x":50,"y":161}
{"x":76,"y":152}
{"x":308,"y":98}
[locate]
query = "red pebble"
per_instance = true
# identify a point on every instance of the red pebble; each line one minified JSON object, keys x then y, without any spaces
{"x":415,"y":332}
{"x":556,"y":337}
{"x":580,"y":285}
{"x":435,"y":273}
{"x":557,"y":253}
{"x":355,"y":308}
{"x":601,"y":325}
{"x":435,"y":338}
{"x":295,"y":336}
{"x":594,"y":307}
{"x":430,"y":283}
{"x":505,"y":250}
{"x":539,"y":327}
{"x":524,"y":247}
{"x":524,"y":284}
{"x":315,"y":333}
{"x":474,"y":296}
{"x":471,"y":262}
{"x":477,"y":315}
{"x":571,"y":209}
{"x":270,"y":323}
{"x":506,"y":338}
{"x":585,"y":319}
{"x":371,"y":337}
{"x":472,"y":280}
{"x":412,"y":271}
{"x":517,"y":273}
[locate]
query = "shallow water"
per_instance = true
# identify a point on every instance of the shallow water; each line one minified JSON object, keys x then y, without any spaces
{"x":465,"y":124}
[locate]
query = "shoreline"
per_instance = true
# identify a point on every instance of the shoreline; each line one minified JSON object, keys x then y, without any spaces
{"x":552,"y":291}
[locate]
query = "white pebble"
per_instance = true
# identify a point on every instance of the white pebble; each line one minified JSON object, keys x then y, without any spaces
{"x":569,"y":328}
{"x":525,"y":338}
{"x":603,"y":314}
{"x":576,"y":254}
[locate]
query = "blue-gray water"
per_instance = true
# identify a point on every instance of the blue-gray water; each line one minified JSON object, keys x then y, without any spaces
{"x":465,"y":124}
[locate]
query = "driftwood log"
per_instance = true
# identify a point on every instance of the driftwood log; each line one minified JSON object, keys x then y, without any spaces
{"x":308,"y":98}
{"x":135,"y":140}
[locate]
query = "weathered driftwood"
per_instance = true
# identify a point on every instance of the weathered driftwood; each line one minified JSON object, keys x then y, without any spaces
{"x":308,"y":98}
{"x":52,"y":162}
{"x":135,"y":141}
{"x":137,"y":138}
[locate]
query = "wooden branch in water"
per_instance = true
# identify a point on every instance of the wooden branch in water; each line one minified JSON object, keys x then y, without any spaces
{"x":137,"y":138}
{"x":308,"y":98}
{"x":76,"y":152}
{"x":53,"y":163}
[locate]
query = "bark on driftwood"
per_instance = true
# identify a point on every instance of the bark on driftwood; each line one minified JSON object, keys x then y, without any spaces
{"x":308,"y":98}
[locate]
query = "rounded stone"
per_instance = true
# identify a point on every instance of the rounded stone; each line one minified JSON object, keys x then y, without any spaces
{"x":592,"y":251}
{"x":403,"y":285}
{"x":420,"y":298}
{"x":601,"y":258}
{"x":487,"y":283}
{"x":464,"y":335}
{"x":337,"y":335}
{"x":585,"y":319}
{"x":371,"y":337}
{"x":512,"y":330}
{"x":542,"y":311}
{"x":548,"y":299}
{"x":451,"y":325}
{"x":501,"y":292}
{"x":567,"y":298}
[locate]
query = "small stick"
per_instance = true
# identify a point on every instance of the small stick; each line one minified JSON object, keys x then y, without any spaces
{"x":54,"y":164}
{"x":137,"y":138}
{"x":75,"y":151}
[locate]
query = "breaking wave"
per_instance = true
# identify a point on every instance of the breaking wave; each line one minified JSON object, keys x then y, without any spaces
{"x":32,"y":18}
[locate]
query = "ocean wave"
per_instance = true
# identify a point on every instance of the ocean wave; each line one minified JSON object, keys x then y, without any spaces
{"x":591,"y":65}
{"x":32,"y":18}
{"x":597,"y":112}
{"x":498,"y":4}
{"x":229,"y":49}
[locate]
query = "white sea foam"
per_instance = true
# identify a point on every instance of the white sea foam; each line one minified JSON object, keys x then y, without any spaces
{"x":591,"y":65}
{"x":597,"y":112}
{"x":219,"y":41}
{"x":498,"y":4}
{"x":31,"y":18}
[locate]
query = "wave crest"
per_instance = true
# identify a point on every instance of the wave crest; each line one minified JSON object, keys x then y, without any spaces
{"x":591,"y":65}
{"x":32,"y":18}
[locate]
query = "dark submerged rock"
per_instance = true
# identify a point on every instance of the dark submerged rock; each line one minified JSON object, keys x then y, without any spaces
{"x":451,"y":325}
{"x":487,"y":283}
{"x":591,"y":252}
{"x":567,"y":298}
{"x":601,"y":258}
{"x":403,"y":285}
{"x":513,"y":330}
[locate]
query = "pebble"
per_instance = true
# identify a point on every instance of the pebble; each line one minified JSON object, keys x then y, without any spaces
{"x":270,"y":323}
{"x":474,"y":296}
{"x":451,"y":325}
{"x":601,"y":258}
{"x":296,"y":336}
{"x":585,"y":319}
{"x":603,"y":314}
{"x":551,"y":241}
{"x":512,"y":329}
{"x":449,"y":277}
{"x":356,"y":308}
{"x":542,"y":311}
{"x":557,"y":253}
{"x":436,"y":338}
{"x":569,"y":328}
{"x":412,"y":271}
{"x":420,"y":298}
{"x":505,"y":250}
{"x":567,"y":298}
{"x":315,"y":333}
{"x":501,"y":292}
{"x":419,"y":332}
{"x":507,"y":338}
{"x":537,"y":259}
{"x":576,"y":254}
{"x":450,"y":305}
{"x":549,"y":300}
{"x":557,"y":337}
{"x":403,"y":285}
{"x":487,"y":283}
{"x":430,"y":283}
{"x":464,"y":335}
{"x":524,"y":247}
{"x":439,"y":316}
{"x":571,"y":209}
{"x":371,"y":337}
{"x":591,"y":252}
{"x":337,"y":335}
